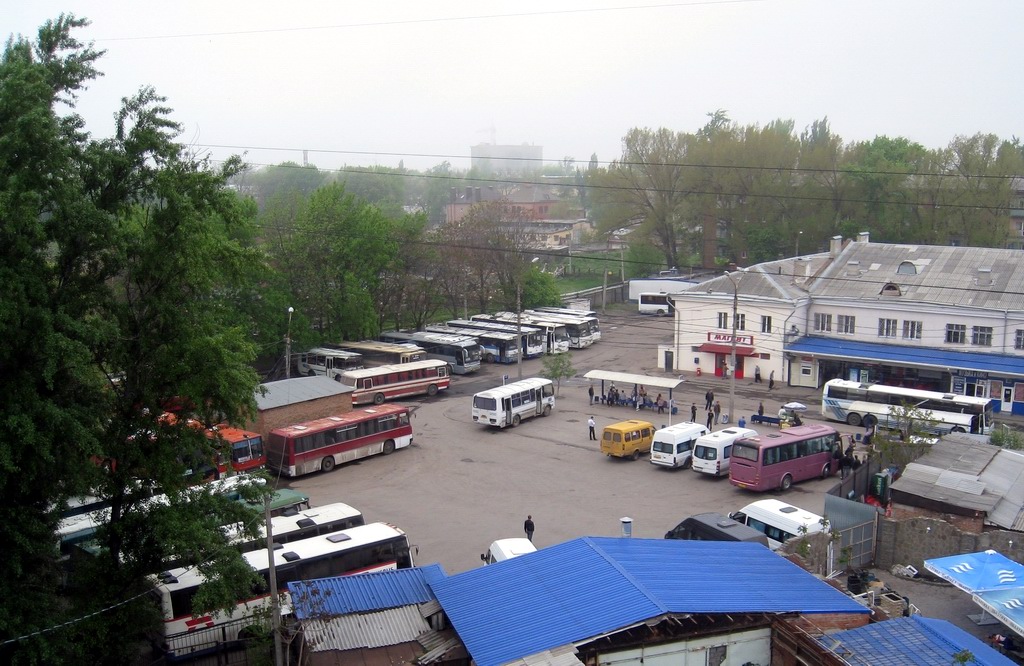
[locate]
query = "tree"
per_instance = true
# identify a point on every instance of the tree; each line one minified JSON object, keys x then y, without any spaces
{"x":558,"y":367}
{"x":909,"y":435}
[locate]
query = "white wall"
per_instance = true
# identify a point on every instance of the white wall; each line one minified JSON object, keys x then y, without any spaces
{"x":743,"y":647}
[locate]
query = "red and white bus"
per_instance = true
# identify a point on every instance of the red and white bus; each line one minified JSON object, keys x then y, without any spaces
{"x":322,"y":444}
{"x":386,"y":382}
{"x":780,"y":459}
{"x":246,"y":449}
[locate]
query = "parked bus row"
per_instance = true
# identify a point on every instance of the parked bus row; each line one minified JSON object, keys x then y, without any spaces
{"x":460,"y":352}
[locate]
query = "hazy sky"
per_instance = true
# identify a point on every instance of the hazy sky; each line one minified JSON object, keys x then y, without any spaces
{"x":376,"y":82}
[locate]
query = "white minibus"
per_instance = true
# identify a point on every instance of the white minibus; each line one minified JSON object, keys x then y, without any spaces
{"x":779,"y":521}
{"x":673,"y":446}
{"x":712,"y":452}
{"x":508,"y":405}
{"x":506,"y":549}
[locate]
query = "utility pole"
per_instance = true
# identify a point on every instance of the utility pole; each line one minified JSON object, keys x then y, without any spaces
{"x":732,"y":355}
{"x":519,"y":325}
{"x":604,"y":293}
{"x":288,"y":346}
{"x":275,"y":603}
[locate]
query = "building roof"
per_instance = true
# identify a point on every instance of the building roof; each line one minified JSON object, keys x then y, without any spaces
{"x":960,"y":472}
{"x":909,"y":640}
{"x":368,"y":592}
{"x":298,"y":389}
{"x":785,"y":279}
{"x":591,"y":586}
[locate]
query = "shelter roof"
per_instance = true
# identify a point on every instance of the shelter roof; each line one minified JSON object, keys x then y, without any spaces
{"x":626,"y":378}
{"x":298,"y":389}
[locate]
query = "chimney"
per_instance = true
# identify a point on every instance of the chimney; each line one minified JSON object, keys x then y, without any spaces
{"x":834,"y":246}
{"x":853,"y":268}
{"x":984,"y":278}
{"x":469,"y":194}
{"x":864,"y":237}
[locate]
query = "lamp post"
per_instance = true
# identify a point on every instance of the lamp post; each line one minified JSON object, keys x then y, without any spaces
{"x":288,"y":346}
{"x":798,"y":235}
{"x":732,"y":356}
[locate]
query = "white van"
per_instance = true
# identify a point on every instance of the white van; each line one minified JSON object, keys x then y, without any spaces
{"x":673,"y":446}
{"x":506,"y":549}
{"x":779,"y":521}
{"x":712,"y":452}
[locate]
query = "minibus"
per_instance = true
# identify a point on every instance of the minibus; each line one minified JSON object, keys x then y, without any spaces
{"x":627,"y":439}
{"x":673,"y":446}
{"x":715,"y":527}
{"x":712,"y":452}
{"x":506,"y":549}
{"x":779,"y":521}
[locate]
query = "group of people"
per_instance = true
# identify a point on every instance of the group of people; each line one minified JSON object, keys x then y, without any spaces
{"x":638,"y":397}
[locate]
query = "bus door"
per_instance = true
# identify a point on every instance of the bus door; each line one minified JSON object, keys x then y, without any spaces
{"x":506,"y":407}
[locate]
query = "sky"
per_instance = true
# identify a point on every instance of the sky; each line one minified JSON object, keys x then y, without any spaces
{"x":416,"y":82}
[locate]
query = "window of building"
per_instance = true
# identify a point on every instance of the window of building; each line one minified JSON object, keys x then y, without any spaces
{"x":912,"y":330}
{"x":822,"y":323}
{"x":766,"y":324}
{"x":956,"y":334}
{"x":1018,"y":339}
{"x":981,"y":336}
{"x":723,"y":320}
{"x":846,"y":324}
{"x":887,"y":328}
{"x":741,"y":322}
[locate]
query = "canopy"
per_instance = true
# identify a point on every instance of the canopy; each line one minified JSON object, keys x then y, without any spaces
{"x":629,"y":378}
{"x":1006,"y":605}
{"x":994,"y":581}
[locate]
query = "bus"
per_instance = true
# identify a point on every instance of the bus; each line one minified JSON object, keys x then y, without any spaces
{"x":583,"y":331}
{"x":188,"y":633}
{"x":779,"y":521}
{"x":307,"y":523}
{"x":556,"y":337}
{"x":397,"y":381}
{"x":376,"y":353}
{"x":495,"y":346}
{"x":246,"y":448}
{"x":509,"y":404}
{"x":323,"y":444}
{"x":531,"y":338}
{"x":461,"y":352}
{"x":657,"y":303}
{"x":871,"y":404}
{"x":780,"y":459}
{"x":327,"y":362}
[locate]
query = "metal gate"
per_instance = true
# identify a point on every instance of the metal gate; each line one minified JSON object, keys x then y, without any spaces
{"x":855,"y":522}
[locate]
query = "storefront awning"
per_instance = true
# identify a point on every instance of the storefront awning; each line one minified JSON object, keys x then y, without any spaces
{"x":712,"y":348}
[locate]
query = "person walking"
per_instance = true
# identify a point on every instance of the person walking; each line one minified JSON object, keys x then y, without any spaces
{"x":757,"y":374}
{"x":717,"y":409}
{"x":591,"y":423}
{"x":771,"y":380}
{"x":590,"y":392}
{"x":711,"y":418}
{"x":693,"y":412}
{"x":709,"y":399}
{"x":528,"y":527}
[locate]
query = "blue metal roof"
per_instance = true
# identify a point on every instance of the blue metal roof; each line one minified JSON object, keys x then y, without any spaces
{"x":375,"y":591}
{"x":925,"y":357}
{"x":910,"y":640}
{"x":593,"y":585}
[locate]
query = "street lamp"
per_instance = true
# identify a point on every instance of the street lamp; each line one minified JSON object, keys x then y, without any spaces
{"x":798,"y":235}
{"x":734,"y":279}
{"x":288,"y":346}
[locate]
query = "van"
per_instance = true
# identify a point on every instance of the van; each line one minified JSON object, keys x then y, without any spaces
{"x":673,"y":446}
{"x":712,"y":452}
{"x":627,"y":439}
{"x":715,"y":527}
{"x":779,"y":521}
{"x":506,"y":549}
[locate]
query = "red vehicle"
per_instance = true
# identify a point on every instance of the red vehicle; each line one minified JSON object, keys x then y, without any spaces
{"x":780,"y":459}
{"x":246,"y":450}
{"x":324,"y":443}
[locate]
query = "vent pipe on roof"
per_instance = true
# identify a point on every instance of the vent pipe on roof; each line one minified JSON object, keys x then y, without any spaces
{"x":984,"y":278}
{"x":853,"y":268}
{"x":864,"y":237}
{"x":834,"y":246}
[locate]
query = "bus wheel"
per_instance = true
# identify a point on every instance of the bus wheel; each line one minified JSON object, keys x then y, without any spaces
{"x":661,"y":313}
{"x":311,"y":373}
{"x":389,"y":447}
{"x":853,"y":419}
{"x":489,"y":358}
{"x":786,"y":482}
{"x":516,"y":420}
{"x":636,"y":454}
{"x":958,"y":429}
{"x":826,"y":471}
{"x":327,"y":464}
{"x":869,"y":421}
{"x":378,"y":399}
{"x":432,"y":390}
{"x":547,"y":410}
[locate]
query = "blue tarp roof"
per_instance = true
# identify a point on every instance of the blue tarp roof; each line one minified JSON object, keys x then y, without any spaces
{"x":925,"y":357}
{"x":913,"y":640}
{"x":375,"y":591}
{"x":593,"y":585}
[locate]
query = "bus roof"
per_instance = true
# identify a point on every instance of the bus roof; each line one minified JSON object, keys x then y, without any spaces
{"x":396,"y":367}
{"x":374,"y":345}
{"x":356,"y":415}
{"x":515,"y":387}
{"x":909,"y":392}
{"x":431,"y":336}
{"x":473,"y":332}
{"x":788,"y":435}
{"x":338,"y":353}
{"x":793,"y":516}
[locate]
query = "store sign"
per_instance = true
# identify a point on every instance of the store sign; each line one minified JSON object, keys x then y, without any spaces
{"x":726,"y":339}
{"x":980,"y":374}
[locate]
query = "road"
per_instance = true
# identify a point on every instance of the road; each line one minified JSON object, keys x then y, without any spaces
{"x":461,"y":485}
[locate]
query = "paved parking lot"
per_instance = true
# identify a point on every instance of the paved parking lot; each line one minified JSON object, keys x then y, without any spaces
{"x":461,"y":485}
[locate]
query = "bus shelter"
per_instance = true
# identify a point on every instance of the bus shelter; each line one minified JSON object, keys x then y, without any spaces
{"x":634,"y":382}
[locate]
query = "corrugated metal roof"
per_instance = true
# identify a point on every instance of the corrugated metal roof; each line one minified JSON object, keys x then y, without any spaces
{"x":299,"y":389}
{"x":365,"y":630}
{"x":375,"y":591}
{"x":564,"y":655}
{"x":594,"y":585}
{"x":909,"y":640}
{"x":785,"y":279}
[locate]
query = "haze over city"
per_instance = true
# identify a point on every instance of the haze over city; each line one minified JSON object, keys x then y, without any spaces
{"x":380,"y":83}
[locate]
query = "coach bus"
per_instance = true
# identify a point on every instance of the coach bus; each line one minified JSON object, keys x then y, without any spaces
{"x":304,"y":524}
{"x":495,"y":346}
{"x":189,"y":633}
{"x":327,"y":362}
{"x":780,"y":459}
{"x":246,"y":450}
{"x":323,"y":444}
{"x":871,"y":404}
{"x":556,"y":337}
{"x":461,"y":352}
{"x":583,"y":331}
{"x":657,"y":303}
{"x":509,"y":404}
{"x":382,"y":353}
{"x":387,"y":382}
{"x":531,"y":339}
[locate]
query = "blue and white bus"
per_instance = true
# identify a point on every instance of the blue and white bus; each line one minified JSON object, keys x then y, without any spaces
{"x":556,"y":337}
{"x":461,"y":352}
{"x":531,"y":339}
{"x":495,"y":346}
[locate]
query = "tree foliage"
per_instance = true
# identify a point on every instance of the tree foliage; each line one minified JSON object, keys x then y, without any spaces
{"x":558,"y":367}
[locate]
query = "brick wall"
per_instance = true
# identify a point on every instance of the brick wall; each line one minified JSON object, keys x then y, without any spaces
{"x":914,"y":539}
{"x":300,"y":412}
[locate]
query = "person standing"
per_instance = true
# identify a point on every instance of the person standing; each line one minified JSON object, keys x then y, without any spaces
{"x":593,"y":433}
{"x":528,"y":527}
{"x":657,"y":403}
{"x":760,"y":408}
{"x":717,"y":409}
{"x":757,"y":374}
{"x":590,"y":392}
{"x":711,"y":418}
{"x":693,"y":412}
{"x":771,"y":380}
{"x":709,"y":399}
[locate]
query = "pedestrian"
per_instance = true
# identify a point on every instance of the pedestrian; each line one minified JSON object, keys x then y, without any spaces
{"x":693,"y":412}
{"x":643,"y":398}
{"x":760,"y":409}
{"x":717,"y":410}
{"x":771,"y":380}
{"x":590,"y":392}
{"x":592,"y":424}
{"x":709,"y":398}
{"x":847,"y":461}
{"x":528,"y":527}
{"x":657,"y":403}
{"x":757,"y":374}
{"x":783,"y":416}
{"x":869,"y":433}
{"x":711,"y":418}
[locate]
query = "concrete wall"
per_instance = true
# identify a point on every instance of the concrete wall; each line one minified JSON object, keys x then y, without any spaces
{"x":914,"y":540}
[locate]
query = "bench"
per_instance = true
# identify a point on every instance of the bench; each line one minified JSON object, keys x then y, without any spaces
{"x":767,"y":420}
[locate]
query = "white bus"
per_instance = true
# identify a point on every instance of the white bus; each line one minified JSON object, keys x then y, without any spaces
{"x":495,"y":346}
{"x":327,"y":362}
{"x":531,"y":338}
{"x":556,"y":336}
{"x":779,"y":521}
{"x":508,"y":405}
{"x":189,"y":633}
{"x":386,"y":382}
{"x":712,"y":454}
{"x":673,"y":446}
{"x":382,"y":353}
{"x":583,"y":330}
{"x":871,"y":404}
{"x":461,"y":352}
{"x":315,"y":521}
{"x":657,"y":303}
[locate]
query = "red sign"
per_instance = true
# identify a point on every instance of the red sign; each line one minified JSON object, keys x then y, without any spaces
{"x":726,"y":339}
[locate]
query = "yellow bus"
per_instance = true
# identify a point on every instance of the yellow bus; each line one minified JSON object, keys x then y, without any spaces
{"x":627,"y":439}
